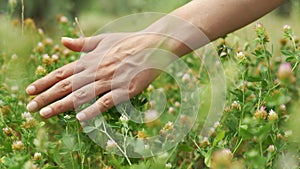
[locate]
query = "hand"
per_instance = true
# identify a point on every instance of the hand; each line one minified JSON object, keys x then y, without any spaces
{"x":116,"y":67}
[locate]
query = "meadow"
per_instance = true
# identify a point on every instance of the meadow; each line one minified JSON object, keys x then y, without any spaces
{"x":260,"y":110}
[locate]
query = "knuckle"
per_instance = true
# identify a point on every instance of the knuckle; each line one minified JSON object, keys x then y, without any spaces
{"x":105,"y":103}
{"x":41,"y":100}
{"x":59,"y":74}
{"x":65,"y":86}
{"x":80,"y":94}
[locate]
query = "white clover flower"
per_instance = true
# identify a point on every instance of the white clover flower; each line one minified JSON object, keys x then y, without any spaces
{"x":111,"y":144}
{"x":14,"y":56}
{"x":46,"y":56}
{"x":171,"y":110}
{"x":168,"y":165}
{"x":17,"y":145}
{"x":67,"y":117}
{"x":27,"y":116}
{"x":14,"y":88}
{"x":177,"y":104}
{"x":55,"y":57}
{"x":150,"y":115}
{"x":272,"y":115}
{"x":186,"y":77}
{"x":288,"y":133}
{"x":37,"y":156}
{"x":286,"y":28}
{"x":271,"y":148}
{"x":124,"y":118}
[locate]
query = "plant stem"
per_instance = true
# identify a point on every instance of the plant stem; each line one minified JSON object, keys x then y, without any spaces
{"x":120,"y":149}
{"x":22,"y":16}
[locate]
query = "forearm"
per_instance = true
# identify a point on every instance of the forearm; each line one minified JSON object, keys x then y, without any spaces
{"x":214,"y":18}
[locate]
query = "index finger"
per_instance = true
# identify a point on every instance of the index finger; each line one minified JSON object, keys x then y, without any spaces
{"x":49,"y":80}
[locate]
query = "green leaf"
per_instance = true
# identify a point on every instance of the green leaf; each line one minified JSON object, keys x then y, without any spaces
{"x":88,"y":129}
{"x":98,"y":122}
{"x":219,"y":137}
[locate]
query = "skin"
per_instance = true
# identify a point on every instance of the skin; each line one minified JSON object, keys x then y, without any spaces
{"x":115,"y":67}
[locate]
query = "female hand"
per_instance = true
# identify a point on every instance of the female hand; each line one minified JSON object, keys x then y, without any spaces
{"x":116,"y":67}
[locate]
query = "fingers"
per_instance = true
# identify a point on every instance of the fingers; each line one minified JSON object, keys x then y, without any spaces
{"x":104,"y":103}
{"x":82,"y":44}
{"x":75,"y":99}
{"x":52,"y":78}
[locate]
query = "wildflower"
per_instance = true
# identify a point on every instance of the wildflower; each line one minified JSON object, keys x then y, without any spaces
{"x":171,"y":110}
{"x":241,"y":57}
{"x":186,"y":78}
{"x":285,"y":72}
{"x":282,"y":107}
{"x":272,"y":116}
{"x":40,"y":48}
{"x":286,"y":29}
{"x":168,"y":165}
{"x":14,"y":56}
{"x":40,"y":70}
{"x":62,"y":19}
{"x":177,"y":104}
{"x":29,"y":23}
{"x":236,"y":105}
{"x":271,"y":148}
{"x":204,"y":142}
{"x":168,"y":126}
{"x":17,"y":145}
{"x":48,"y":41}
{"x":37,"y":156}
{"x":288,"y":133}
{"x":147,"y":146}
{"x":30,"y":121}
{"x":221,"y":159}
{"x":54,"y":57}
{"x":111,"y":144}
{"x":14,"y":88}
{"x":7,"y":131}
{"x":261,"y":113}
{"x":67,"y":117}
{"x":150,"y":116}
{"x":66,"y":52}
{"x":27,"y":116}
{"x":40,"y":31}
{"x":142,"y":135}
{"x":46,"y":59}
{"x":150,"y":88}
{"x":124,"y":118}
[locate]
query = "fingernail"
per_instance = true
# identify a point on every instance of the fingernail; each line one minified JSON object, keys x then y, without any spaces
{"x":80,"y":116}
{"x":32,"y":106}
{"x":46,"y":111}
{"x":66,"y":39}
{"x":30,"y":89}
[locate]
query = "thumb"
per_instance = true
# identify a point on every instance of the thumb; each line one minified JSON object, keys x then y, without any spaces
{"x":81,"y":44}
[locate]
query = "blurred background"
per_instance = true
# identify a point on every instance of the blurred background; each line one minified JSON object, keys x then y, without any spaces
{"x":93,"y":14}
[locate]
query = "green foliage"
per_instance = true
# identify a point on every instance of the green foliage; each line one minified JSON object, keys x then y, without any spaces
{"x":257,"y":129}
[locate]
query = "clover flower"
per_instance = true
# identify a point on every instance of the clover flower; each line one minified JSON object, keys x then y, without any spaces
{"x":124,"y":118}
{"x":221,"y":159}
{"x":111,"y":144}
{"x":271,"y":148}
{"x":272,"y":116}
{"x":261,"y":113}
{"x":40,"y":70}
{"x":17,"y":145}
{"x":37,"y":156}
